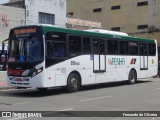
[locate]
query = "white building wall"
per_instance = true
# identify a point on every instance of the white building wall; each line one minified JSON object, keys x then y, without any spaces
{"x":57,"y":7}
{"x":10,"y":17}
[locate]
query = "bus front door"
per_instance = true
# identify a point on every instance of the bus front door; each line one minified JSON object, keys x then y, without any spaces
{"x":143,"y":56}
{"x":99,"y":60}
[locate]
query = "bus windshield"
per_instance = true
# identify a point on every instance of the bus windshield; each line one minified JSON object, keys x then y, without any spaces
{"x":26,"y":49}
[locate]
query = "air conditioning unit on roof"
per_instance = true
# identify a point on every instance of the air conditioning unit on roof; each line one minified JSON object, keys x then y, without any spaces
{"x":107,"y":32}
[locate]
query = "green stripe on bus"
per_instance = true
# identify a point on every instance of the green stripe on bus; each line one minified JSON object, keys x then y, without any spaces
{"x":94,"y":34}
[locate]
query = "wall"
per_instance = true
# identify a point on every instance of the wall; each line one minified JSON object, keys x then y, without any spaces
{"x":57,"y":7}
{"x":10,"y":17}
{"x":127,"y":17}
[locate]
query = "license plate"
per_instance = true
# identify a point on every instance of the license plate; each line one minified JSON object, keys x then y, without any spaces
{"x":18,"y":79}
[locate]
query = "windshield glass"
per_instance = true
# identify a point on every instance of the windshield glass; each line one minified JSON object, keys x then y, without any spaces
{"x":26,"y":49}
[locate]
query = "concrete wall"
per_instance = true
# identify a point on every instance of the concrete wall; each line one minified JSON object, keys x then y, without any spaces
{"x":57,"y":7}
{"x":127,"y":17}
{"x":10,"y":17}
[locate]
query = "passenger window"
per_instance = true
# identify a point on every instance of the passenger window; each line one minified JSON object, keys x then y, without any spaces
{"x":75,"y":47}
{"x":102,"y":47}
{"x":86,"y":45}
{"x":55,"y":45}
{"x":112,"y":47}
{"x":152,"y":49}
{"x":123,"y":47}
{"x":133,"y":47}
{"x":143,"y":49}
{"x":99,"y":46}
{"x":96,"y":47}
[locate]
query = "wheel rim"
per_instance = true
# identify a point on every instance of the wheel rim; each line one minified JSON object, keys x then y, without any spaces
{"x":132,"y":78}
{"x":74,"y":83}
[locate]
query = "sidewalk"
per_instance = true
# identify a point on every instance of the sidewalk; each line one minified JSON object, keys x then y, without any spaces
{"x":3,"y":82}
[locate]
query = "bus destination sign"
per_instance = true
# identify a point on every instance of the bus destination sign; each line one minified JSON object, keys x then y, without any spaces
{"x":24,"y":31}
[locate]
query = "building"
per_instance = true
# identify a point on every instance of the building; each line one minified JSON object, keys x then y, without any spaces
{"x":136,"y":17}
{"x":80,"y":24}
{"x":42,"y":12}
{"x":29,"y":12}
{"x":46,"y":12}
{"x":15,"y":3}
{"x":10,"y":17}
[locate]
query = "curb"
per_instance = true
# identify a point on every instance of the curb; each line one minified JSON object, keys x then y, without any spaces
{"x":6,"y":88}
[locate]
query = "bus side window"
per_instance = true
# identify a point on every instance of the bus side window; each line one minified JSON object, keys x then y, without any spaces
{"x":86,"y":45}
{"x":112,"y":46}
{"x":55,"y":45}
{"x":152,"y":49}
{"x":75,"y":47}
{"x":123,"y":47}
{"x":102,"y":47}
{"x":133,"y":48}
{"x":96,"y":47}
{"x":143,"y":49}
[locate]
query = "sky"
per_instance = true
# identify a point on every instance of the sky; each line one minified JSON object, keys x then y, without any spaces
{"x":3,"y":1}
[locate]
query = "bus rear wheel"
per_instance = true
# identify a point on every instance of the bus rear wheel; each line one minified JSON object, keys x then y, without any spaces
{"x":73,"y":83}
{"x":132,"y":78}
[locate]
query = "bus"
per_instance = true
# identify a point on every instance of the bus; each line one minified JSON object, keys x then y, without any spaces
{"x":46,"y":56}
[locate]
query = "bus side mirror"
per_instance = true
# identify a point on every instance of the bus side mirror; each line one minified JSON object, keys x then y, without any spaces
{"x":3,"y":46}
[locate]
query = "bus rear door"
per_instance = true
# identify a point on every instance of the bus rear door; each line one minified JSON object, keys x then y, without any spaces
{"x":143,"y":56}
{"x":99,"y":60}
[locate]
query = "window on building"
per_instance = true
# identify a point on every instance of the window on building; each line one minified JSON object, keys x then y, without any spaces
{"x":70,"y":14}
{"x":75,"y":47}
{"x":97,"y":10}
{"x":123,"y":47}
{"x":115,"y":7}
{"x":133,"y":48}
{"x":116,"y":29}
{"x":112,"y":46}
{"x":142,"y":27}
{"x":142,"y":3}
{"x":46,"y":18}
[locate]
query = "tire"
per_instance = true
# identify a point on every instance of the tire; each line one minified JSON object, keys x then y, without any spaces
{"x":73,"y":83}
{"x":42,"y":89}
{"x":132,"y":78}
{"x":155,"y":76}
{"x":159,"y":74}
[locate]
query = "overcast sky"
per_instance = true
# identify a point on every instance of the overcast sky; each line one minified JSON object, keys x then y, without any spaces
{"x":3,"y":1}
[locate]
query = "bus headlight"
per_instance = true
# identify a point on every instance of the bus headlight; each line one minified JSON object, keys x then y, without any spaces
{"x":32,"y":72}
{"x":25,"y":73}
{"x":37,"y":71}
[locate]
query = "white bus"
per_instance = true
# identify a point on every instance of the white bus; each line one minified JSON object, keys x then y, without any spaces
{"x":45,"y":56}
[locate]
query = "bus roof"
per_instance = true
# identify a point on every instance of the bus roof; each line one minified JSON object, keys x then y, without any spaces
{"x":47,"y":28}
{"x":119,"y":35}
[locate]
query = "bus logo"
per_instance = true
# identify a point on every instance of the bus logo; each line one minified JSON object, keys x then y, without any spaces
{"x":116,"y":61}
{"x":133,"y":61}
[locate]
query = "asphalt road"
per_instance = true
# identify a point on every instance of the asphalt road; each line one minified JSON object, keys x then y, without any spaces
{"x":143,"y":96}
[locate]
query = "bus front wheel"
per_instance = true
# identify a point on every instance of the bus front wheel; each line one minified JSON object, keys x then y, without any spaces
{"x":132,"y":78}
{"x":73,"y":83}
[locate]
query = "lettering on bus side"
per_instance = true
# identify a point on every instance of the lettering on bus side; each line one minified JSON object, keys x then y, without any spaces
{"x":75,"y":63}
{"x":116,"y":61}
